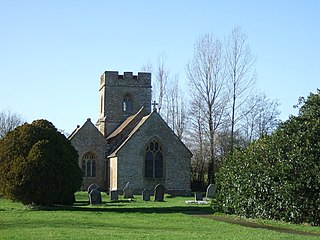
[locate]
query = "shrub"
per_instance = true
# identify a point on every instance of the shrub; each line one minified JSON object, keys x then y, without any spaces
{"x":277,"y":176}
{"x":38,"y":165}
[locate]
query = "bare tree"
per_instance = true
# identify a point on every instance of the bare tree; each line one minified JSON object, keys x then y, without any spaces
{"x":181,"y":119}
{"x":199,"y":145}
{"x":161,"y":79}
{"x":166,"y":91}
{"x":260,"y":117}
{"x":9,"y":121}
{"x":176,"y":115}
{"x":239,"y":63}
{"x":147,"y":67}
{"x":207,"y":83}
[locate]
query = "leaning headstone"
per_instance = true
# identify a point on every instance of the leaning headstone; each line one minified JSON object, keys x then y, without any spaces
{"x":93,"y":186}
{"x":114,"y":195}
{"x":210,"y":191}
{"x":95,"y":197}
{"x":127,"y":191}
{"x":159,"y":193}
{"x":145,"y":195}
{"x":198,"y":196}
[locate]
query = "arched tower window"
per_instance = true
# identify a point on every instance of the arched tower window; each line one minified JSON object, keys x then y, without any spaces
{"x":127,"y":105}
{"x":88,"y":165}
{"x":153,"y":160}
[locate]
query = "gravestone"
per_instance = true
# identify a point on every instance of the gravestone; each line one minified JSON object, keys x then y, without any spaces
{"x":198,"y":196}
{"x":93,"y":186}
{"x":95,"y":196}
{"x":145,"y":195}
{"x":210,"y":191}
{"x":159,"y":193}
{"x":128,"y":191}
{"x":114,"y":196}
{"x":127,"y":185}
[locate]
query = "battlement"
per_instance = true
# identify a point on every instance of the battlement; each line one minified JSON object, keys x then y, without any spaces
{"x":122,"y":96}
{"x":112,"y":78}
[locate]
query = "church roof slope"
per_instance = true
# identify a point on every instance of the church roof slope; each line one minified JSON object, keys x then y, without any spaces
{"x":138,"y":126}
{"x":131,"y":120}
{"x":142,"y":121}
{"x":87,"y":125}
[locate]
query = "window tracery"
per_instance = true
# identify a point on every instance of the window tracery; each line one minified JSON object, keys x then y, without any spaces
{"x":154,"y":160}
{"x":88,"y":165}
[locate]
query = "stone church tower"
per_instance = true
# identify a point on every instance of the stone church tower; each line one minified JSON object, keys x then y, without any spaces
{"x":122,"y":96}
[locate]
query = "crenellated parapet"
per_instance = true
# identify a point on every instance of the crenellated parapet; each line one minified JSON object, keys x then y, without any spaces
{"x":113,"y":78}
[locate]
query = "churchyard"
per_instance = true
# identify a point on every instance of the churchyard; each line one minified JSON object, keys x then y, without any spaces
{"x":134,"y":219}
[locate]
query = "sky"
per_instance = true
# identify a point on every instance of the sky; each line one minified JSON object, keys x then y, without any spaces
{"x":52,"y":53}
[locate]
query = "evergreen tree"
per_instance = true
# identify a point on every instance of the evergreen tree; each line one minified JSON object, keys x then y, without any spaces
{"x":38,"y":165}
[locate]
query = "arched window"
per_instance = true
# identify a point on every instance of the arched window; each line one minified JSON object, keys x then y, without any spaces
{"x":153,"y":160}
{"x":93,"y":168}
{"x":89,"y":165}
{"x":127,"y":104}
{"x":83,"y":167}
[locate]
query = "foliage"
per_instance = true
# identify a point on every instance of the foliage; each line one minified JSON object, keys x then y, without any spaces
{"x":38,"y":165}
{"x":277,"y":177}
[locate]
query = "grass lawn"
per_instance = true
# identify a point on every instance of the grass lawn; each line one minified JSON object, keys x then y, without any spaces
{"x":128,"y":220}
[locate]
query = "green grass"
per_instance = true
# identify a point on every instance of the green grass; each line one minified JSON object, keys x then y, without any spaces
{"x":127,"y":220}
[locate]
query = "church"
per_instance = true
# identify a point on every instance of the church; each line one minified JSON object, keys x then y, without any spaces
{"x":130,"y":141}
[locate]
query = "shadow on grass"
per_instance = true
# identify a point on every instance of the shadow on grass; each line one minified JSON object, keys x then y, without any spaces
{"x":121,"y":207}
{"x":247,"y":223}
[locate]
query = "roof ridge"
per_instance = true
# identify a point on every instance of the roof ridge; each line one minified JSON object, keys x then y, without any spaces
{"x":124,"y":124}
{"x":132,"y":132}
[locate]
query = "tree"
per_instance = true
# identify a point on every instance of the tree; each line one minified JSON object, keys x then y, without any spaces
{"x":309,"y":107}
{"x":161,"y":80}
{"x":206,"y":74}
{"x":199,"y":145}
{"x":147,"y":67}
{"x":181,"y":118}
{"x":176,"y":115}
{"x":171,"y":104}
{"x":9,"y":121}
{"x":38,"y":165}
{"x":277,"y":176}
{"x":260,"y":117}
{"x":239,"y":65}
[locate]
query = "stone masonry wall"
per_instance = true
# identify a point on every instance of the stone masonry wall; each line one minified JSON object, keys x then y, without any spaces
{"x":177,"y":159}
{"x":113,"y":88}
{"x":89,"y":139}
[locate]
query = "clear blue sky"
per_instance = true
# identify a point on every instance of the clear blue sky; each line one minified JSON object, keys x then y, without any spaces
{"x":52,"y":53}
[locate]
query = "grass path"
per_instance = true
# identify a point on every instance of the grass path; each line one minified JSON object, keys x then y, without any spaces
{"x":246,"y":223}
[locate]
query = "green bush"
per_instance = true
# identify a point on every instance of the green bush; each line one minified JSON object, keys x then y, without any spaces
{"x":38,"y":165}
{"x":277,"y":177}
